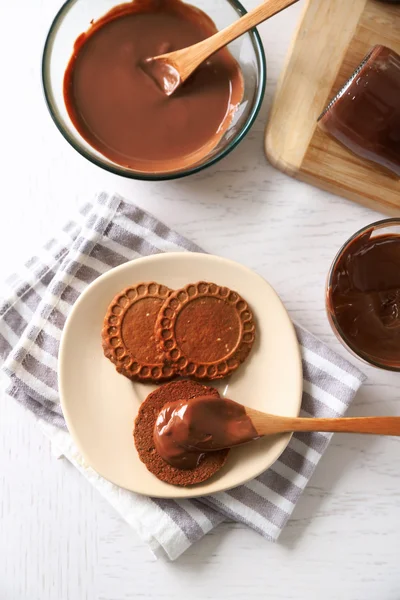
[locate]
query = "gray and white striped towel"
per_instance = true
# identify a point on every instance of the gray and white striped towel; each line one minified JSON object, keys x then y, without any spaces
{"x":107,"y":233}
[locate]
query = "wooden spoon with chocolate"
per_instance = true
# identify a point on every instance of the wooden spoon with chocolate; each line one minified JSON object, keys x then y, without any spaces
{"x":170,"y":70}
{"x":208,"y":423}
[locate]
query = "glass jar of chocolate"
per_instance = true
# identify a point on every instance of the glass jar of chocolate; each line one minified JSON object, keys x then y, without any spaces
{"x":365,"y":114}
{"x":363,"y":294}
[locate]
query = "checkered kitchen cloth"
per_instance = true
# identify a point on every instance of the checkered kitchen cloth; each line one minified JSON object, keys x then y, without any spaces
{"x":108,"y":232}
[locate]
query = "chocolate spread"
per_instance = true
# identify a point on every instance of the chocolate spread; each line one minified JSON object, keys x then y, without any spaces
{"x":364,"y":297}
{"x":186,"y":429}
{"x":365,"y":115}
{"x":120,"y":110}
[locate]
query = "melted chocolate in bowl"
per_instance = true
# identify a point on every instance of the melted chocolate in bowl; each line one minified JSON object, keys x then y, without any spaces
{"x":363,"y":298}
{"x":186,"y":429}
{"x":119,"y":109}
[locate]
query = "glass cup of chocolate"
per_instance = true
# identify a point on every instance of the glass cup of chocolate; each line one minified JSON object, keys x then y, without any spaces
{"x":363,"y":294}
{"x":106,"y":105}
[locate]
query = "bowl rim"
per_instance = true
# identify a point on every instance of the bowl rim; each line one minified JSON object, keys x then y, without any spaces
{"x":366,"y":358}
{"x":130,"y":174}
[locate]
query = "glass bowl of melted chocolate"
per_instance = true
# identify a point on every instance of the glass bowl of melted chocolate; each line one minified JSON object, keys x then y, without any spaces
{"x":363,"y":294}
{"x":113,"y":113}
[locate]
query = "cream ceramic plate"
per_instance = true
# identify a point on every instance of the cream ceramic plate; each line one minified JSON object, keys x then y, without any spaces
{"x":100,"y":405}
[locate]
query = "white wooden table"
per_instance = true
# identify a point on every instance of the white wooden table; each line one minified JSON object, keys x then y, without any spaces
{"x":58,"y":539}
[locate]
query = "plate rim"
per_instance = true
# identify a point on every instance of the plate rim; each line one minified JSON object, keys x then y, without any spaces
{"x":192,"y":491}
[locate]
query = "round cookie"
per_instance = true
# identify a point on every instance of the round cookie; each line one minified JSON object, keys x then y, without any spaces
{"x":205,"y":331}
{"x":143,"y":435}
{"x":128,"y":333}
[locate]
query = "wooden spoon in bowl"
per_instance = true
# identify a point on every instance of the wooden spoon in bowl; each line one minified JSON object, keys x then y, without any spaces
{"x":170,"y":70}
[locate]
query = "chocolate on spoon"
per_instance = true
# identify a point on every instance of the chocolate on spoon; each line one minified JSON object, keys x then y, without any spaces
{"x":172,"y":69}
{"x":186,"y":429}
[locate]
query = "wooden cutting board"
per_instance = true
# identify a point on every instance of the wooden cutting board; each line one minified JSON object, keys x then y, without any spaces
{"x":332,"y":38}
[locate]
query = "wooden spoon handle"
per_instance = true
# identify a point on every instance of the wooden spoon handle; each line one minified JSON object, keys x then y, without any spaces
{"x":199,"y":52}
{"x":374,"y":425}
{"x":261,"y":13}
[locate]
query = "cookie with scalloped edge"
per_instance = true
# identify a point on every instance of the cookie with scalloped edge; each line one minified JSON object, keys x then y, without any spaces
{"x":206,"y":331}
{"x":145,"y":422}
{"x":128,"y":333}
